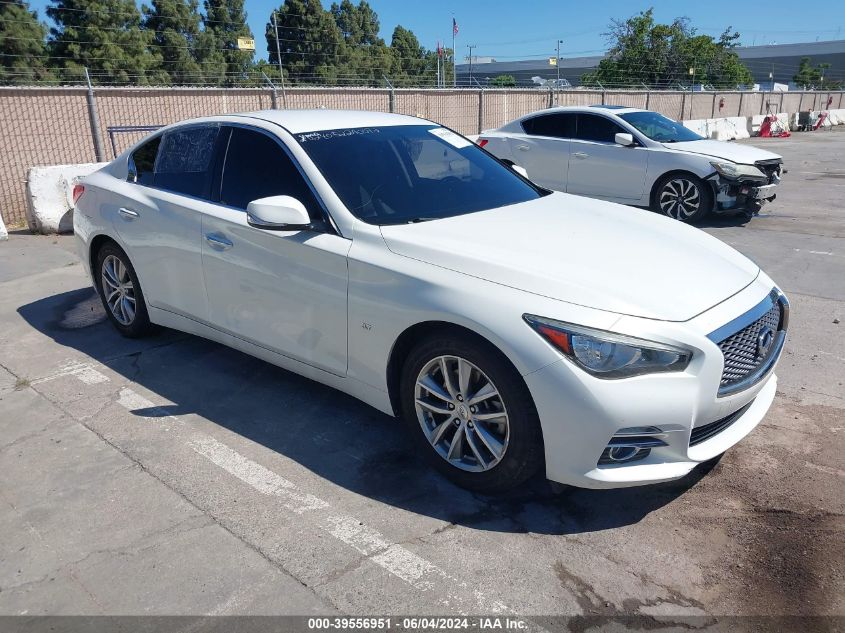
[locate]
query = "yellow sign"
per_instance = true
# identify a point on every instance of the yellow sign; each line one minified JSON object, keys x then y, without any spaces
{"x":552,"y":61}
{"x":246,"y":44}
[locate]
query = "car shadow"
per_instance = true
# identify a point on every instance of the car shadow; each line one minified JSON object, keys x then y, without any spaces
{"x":718,"y":221}
{"x":330,"y":433}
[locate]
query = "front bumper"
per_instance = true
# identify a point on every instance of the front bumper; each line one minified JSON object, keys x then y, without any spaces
{"x":746,"y":193}
{"x":734,"y":195}
{"x":580,"y":414}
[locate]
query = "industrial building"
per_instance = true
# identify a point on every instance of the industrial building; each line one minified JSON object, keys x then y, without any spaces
{"x":771,"y":63}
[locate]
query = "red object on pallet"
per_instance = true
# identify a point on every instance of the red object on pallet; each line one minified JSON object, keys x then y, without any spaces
{"x":771,"y":127}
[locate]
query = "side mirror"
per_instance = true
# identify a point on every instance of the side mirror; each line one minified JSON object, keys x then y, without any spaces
{"x":623,"y":138}
{"x":280,"y":213}
{"x":520,"y":170}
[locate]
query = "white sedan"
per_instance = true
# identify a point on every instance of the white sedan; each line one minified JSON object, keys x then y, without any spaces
{"x":509,"y":327}
{"x":637,"y":157}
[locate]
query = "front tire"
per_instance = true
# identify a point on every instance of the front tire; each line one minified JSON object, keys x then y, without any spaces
{"x":470,"y":413}
{"x":682,"y":197}
{"x":120,"y":292}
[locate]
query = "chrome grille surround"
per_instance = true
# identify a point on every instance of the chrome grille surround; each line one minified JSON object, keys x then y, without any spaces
{"x":744,"y":362}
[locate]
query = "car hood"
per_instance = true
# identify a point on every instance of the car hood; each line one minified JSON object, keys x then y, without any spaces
{"x":744,"y":154}
{"x":583,"y":251}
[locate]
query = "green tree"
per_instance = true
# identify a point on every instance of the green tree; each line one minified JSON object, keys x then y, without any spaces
{"x":359,"y":25}
{"x":175,"y":25}
{"x":310,"y":41}
{"x":811,"y":77}
{"x":410,"y":64}
{"x":217,"y":47}
{"x":23,"y":53}
{"x":643,"y":52}
{"x":104,"y":36}
{"x":503,"y":81}
{"x":364,"y":57}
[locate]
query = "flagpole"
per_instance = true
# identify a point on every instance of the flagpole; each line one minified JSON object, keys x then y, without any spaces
{"x":454,"y":57}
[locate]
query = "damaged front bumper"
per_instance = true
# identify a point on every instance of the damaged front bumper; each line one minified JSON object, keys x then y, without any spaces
{"x":745,"y":193}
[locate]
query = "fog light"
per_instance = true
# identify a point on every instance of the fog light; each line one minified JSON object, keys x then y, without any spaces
{"x":631,"y":444}
{"x":622,"y":454}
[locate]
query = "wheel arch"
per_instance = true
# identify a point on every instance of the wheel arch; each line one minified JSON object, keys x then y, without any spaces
{"x":97,"y":243}
{"x":406,"y":341}
{"x":672,"y":173}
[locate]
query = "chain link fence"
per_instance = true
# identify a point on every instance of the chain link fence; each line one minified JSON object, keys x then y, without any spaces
{"x":54,"y":126}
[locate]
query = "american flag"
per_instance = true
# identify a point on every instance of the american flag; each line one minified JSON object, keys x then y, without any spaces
{"x":454,"y":27}
{"x":439,"y":49}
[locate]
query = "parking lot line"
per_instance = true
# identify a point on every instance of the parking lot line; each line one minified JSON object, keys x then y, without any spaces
{"x":83,"y":371}
{"x":396,"y":559}
{"x":393,"y":558}
{"x":262,"y":479}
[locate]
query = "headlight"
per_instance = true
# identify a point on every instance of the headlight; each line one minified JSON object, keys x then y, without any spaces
{"x":735,"y":170}
{"x":608,"y":355}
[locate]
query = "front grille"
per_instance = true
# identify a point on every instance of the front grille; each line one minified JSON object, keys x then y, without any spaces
{"x":703,"y":433}
{"x":740,"y":349}
{"x":769,"y":167}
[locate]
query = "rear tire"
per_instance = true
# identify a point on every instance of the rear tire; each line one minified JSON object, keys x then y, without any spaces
{"x":120,"y":292}
{"x":682,"y":197}
{"x":479,"y":427}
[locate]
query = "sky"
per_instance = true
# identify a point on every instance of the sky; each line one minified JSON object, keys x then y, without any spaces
{"x":510,"y":30}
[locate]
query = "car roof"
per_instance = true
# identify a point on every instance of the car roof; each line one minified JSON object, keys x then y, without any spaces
{"x":610,"y":109}
{"x":296,"y":121}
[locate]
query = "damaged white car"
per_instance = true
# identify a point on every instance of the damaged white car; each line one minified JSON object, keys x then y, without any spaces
{"x":637,"y":157}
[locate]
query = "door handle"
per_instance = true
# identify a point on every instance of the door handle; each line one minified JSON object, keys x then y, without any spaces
{"x":581,"y":155}
{"x":218,"y":241}
{"x":523,"y":148}
{"x":128,"y":214}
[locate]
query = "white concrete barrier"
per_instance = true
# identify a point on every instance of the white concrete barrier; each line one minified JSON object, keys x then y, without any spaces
{"x":837,"y":116}
{"x":49,"y":196}
{"x":721,"y":129}
{"x":699,"y":126}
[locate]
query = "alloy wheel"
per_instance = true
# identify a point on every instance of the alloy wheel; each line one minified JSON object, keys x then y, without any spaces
{"x":118,"y":290}
{"x":461,"y":413}
{"x":680,"y":199}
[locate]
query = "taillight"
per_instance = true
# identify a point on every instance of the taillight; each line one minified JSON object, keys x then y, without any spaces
{"x":78,"y":190}
{"x":482,"y":142}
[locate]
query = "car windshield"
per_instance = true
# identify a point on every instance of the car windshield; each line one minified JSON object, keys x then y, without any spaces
{"x":412,"y":173}
{"x":658,"y":128}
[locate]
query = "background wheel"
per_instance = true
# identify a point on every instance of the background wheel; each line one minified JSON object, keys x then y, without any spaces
{"x":683,"y":197}
{"x":121,"y":293}
{"x":470,"y":413}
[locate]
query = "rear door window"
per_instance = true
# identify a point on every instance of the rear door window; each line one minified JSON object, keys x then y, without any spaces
{"x":593,"y":127}
{"x":560,"y":125}
{"x":184,"y":163}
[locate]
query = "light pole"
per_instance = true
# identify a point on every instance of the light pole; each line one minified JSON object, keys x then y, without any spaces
{"x":470,"y":47}
{"x":279,"y":55}
{"x":557,"y":65}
